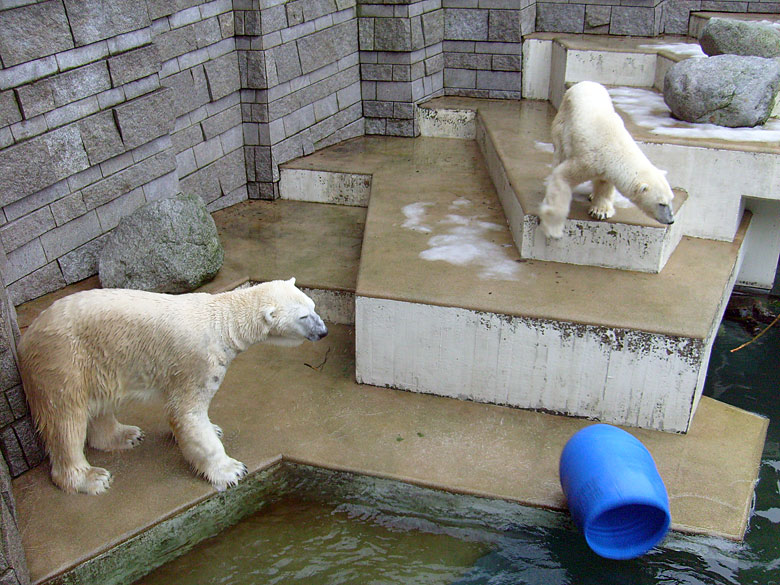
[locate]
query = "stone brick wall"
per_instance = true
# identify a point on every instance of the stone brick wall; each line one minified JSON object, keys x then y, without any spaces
{"x":482,"y":47}
{"x":104,"y":107}
{"x":300,"y":72}
{"x":401,"y":61}
{"x":635,"y":17}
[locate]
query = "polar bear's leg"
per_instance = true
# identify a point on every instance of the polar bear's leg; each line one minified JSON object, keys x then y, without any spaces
{"x":199,"y":442}
{"x":557,"y":199}
{"x":70,"y":470}
{"x":106,"y":433}
{"x":602,"y":199}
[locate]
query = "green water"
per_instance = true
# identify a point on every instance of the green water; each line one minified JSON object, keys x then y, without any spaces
{"x":340,"y":528}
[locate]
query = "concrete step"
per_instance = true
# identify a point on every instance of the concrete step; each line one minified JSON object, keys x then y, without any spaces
{"x":445,"y":304}
{"x":514,"y":138}
{"x":695,"y":155}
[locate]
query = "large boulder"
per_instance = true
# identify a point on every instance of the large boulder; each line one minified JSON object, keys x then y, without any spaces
{"x":170,"y":245}
{"x":728,"y":90}
{"x":722,"y":36}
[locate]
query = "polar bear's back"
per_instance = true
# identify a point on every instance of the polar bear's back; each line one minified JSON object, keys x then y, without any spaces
{"x":587,"y":125}
{"x":111,"y":337}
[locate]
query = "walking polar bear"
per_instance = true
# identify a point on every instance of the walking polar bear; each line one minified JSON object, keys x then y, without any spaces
{"x":592,"y":144}
{"x":91,"y":351}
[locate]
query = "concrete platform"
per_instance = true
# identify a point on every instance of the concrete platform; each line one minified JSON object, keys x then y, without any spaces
{"x":445,"y":305}
{"x":303,"y":405}
{"x":514,"y":138}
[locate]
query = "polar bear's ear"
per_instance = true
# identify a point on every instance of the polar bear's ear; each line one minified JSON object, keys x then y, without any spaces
{"x":292,"y":281}
{"x":268,"y":314}
{"x":644,"y":188}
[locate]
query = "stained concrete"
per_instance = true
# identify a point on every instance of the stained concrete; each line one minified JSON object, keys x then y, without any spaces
{"x":302,"y":404}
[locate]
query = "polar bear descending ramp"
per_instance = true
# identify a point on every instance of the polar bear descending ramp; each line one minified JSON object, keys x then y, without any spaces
{"x":591,"y":143}
{"x":91,"y":351}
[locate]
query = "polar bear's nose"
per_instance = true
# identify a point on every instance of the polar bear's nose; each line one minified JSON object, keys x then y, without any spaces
{"x":318,"y":329}
{"x":664,"y":213}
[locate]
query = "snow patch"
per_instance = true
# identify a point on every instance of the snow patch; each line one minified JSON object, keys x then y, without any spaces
{"x":465,"y":241}
{"x":648,"y":110}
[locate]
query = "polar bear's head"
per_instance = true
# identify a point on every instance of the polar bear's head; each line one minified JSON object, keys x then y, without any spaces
{"x":289,"y":314}
{"x":653,"y":195}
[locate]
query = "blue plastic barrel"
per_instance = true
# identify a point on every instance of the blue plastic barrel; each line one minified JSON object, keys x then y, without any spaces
{"x":615,"y":494}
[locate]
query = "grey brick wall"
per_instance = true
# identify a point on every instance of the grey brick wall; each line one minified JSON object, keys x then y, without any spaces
{"x":300,"y":75}
{"x":401,"y":61}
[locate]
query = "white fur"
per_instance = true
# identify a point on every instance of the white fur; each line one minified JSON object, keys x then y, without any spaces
{"x":592,"y":144}
{"x":91,"y":351}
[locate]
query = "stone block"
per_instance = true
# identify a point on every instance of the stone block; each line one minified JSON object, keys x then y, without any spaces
{"x":145,"y":118}
{"x":68,"y":208}
{"x":326,"y":46}
{"x":17,"y":402}
{"x":231,"y":171}
{"x":632,"y":20}
{"x":597,"y":17}
{"x":113,"y":211}
{"x":9,"y":373}
{"x":134,"y":64}
{"x":376,"y":72}
{"x":95,"y":21}
{"x":366,"y":34}
{"x":504,"y":26}
{"x":465,"y":24}
{"x":31,"y":446}
{"x":461,"y":78}
{"x":24,"y":229}
{"x":433,"y":27}
{"x":189,"y":90}
{"x":502,"y":80}
{"x":100,"y":136}
{"x":82,"y":262}
{"x":44,"y":280}
{"x":221,"y":122}
{"x":125,"y":181}
{"x":288,"y":65}
{"x":175,"y":43}
{"x":273,"y":19}
{"x":223,"y":76}
{"x":394,"y":91}
{"x":71,"y":235}
{"x":467,"y":61}
{"x":24,"y":260}
{"x":507,"y":63}
{"x":313,"y":9}
{"x":12,"y":452}
{"x":6,"y":416}
{"x":9,"y":109}
{"x":207,"y":32}
{"x":392,"y":34}
{"x":553,"y":17}
{"x":33,"y":31}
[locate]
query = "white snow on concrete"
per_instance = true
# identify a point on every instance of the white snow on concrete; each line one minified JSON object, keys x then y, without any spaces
{"x":680,"y":49}
{"x":463,"y":241}
{"x":648,"y":110}
{"x":544,"y":146}
{"x":414,"y":213}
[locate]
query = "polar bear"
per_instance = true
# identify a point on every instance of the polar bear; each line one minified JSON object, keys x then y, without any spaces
{"x":592,"y":144}
{"x":93,"y":350}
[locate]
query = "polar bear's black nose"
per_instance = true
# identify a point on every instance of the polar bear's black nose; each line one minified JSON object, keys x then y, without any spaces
{"x":664,"y":213}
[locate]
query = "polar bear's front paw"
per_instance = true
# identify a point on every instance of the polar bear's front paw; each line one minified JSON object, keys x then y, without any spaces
{"x":225,"y":473}
{"x":217,"y":429}
{"x":119,"y":437}
{"x":603,"y":211}
{"x":552,"y":230}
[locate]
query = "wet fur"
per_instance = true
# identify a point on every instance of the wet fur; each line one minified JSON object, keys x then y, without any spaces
{"x":91,"y":351}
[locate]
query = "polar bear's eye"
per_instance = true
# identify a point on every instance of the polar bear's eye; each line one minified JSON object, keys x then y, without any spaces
{"x":302,"y":317}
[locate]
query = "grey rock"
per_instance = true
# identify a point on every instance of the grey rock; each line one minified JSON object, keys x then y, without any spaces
{"x":504,"y":26}
{"x":728,"y":90}
{"x":392,"y":34}
{"x":288,"y":65}
{"x":433,"y":27}
{"x":170,"y":245}
{"x":722,"y":36}
{"x":328,"y":45}
{"x":100,"y":136}
{"x":134,"y":64}
{"x":33,"y":31}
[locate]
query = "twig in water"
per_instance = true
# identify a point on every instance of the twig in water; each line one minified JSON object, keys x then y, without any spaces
{"x":776,"y":319}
